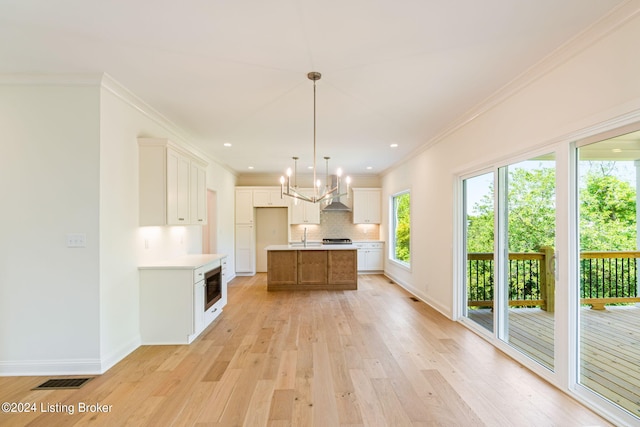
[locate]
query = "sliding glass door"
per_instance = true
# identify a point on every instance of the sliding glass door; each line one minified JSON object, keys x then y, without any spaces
{"x":608,"y":313}
{"x":528,"y":218}
{"x":509,"y":230}
{"x":589,"y":342}
{"x":479,"y":231}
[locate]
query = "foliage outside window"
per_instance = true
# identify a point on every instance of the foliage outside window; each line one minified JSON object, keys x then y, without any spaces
{"x":607,"y":211}
{"x":402,"y":227}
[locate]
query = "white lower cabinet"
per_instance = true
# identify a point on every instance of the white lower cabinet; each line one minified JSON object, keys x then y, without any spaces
{"x":198,"y":304}
{"x":370,"y":256}
{"x":172,"y":301}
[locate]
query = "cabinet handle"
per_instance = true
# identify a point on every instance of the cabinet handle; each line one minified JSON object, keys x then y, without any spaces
{"x":180,"y":219}
{"x":200,"y":220}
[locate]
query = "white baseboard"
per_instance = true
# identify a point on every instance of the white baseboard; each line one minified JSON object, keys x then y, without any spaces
{"x":424,"y":298}
{"x":60,"y":367}
{"x":50,"y":367}
{"x":110,"y":360}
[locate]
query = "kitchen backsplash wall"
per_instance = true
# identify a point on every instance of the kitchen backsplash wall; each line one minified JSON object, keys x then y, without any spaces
{"x":336,"y":224}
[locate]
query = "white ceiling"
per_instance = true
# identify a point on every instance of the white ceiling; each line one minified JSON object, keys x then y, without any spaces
{"x":235,"y":71}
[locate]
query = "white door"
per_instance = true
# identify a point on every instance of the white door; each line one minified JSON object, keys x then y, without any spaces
{"x":271,"y":229}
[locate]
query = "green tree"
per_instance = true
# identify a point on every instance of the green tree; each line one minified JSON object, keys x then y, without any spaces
{"x":531,"y":209}
{"x":607,"y":210}
{"x":480,"y":225}
{"x":403,"y":226}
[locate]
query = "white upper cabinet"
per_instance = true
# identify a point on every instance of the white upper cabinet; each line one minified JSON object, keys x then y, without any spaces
{"x":269,"y":197}
{"x":244,"y":206}
{"x":178,"y":173}
{"x":305,"y":212}
{"x":198,"y":193}
{"x":366,"y":205}
{"x":170,"y":193}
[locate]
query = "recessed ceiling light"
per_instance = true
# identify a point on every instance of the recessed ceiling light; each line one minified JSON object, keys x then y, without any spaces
{"x":394,"y":145}
{"x":617,"y":150}
{"x":369,"y":167}
{"x":250,"y":167}
{"x":227,"y":144}
{"x":309,"y":167}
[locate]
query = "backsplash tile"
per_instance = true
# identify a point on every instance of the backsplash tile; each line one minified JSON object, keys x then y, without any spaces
{"x":336,"y":225}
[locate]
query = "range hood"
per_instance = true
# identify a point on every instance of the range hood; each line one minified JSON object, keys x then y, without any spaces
{"x":336,"y":205}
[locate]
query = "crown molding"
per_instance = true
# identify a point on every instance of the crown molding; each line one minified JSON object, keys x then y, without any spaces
{"x":111,"y":85}
{"x":615,"y":19}
{"x":35,"y":79}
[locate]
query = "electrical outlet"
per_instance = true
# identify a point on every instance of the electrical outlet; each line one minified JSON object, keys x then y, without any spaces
{"x":76,"y":240}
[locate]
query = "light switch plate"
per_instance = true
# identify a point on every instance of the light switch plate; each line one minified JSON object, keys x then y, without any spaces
{"x":76,"y":240}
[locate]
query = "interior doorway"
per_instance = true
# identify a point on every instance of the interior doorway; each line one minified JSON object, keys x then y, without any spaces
{"x":209,"y":230}
{"x":271,"y":229}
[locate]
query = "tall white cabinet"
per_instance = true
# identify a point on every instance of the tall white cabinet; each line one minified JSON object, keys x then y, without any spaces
{"x":245,"y":233}
{"x":172,"y":184}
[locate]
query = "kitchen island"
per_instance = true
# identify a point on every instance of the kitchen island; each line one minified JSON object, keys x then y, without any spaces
{"x":312,"y":267}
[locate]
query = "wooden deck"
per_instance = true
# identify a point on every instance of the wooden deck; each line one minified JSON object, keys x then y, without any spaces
{"x":610,"y":347}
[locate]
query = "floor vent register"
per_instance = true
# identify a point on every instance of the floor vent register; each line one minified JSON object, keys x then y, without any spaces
{"x":63,"y":383}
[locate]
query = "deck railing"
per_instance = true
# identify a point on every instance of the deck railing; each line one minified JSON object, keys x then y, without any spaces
{"x":605,"y":278}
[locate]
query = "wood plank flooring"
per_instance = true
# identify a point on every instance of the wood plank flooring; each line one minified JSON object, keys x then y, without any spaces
{"x":609,"y":343}
{"x":371,"y":357}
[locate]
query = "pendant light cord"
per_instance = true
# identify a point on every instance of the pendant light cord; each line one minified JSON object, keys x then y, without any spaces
{"x":315,"y":191}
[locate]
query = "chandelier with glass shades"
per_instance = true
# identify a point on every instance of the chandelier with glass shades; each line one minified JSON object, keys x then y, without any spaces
{"x":330,"y":191}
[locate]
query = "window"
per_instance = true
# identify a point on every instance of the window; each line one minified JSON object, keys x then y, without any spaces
{"x":401,"y":228}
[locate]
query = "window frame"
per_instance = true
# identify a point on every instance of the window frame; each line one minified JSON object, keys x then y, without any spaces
{"x":393,"y":227}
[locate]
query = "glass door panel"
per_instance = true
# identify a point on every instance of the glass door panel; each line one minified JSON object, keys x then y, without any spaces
{"x":529,"y":215}
{"x":608,"y":314}
{"x":479,"y":247}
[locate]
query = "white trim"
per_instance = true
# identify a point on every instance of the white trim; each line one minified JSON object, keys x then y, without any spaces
{"x":615,"y":19}
{"x":33,"y":79}
{"x":392,"y":238}
{"x":110,"y":360}
{"x":116,"y":89}
{"x":51,"y":367}
{"x":442,"y":309}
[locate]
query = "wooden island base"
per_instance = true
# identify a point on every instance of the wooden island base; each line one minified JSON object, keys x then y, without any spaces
{"x":312,"y":270}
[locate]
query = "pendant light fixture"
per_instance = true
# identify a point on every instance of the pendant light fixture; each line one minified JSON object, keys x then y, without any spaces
{"x":290,"y":188}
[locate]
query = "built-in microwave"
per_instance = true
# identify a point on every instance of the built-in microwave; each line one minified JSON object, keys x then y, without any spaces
{"x":213,"y":287}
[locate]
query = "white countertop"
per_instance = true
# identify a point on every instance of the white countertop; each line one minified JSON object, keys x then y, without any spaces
{"x":310,"y":247}
{"x":186,"y":261}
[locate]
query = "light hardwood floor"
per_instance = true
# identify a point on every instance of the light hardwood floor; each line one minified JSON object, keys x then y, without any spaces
{"x":371,"y":357}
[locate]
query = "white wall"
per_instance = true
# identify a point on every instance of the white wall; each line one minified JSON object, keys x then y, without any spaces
{"x":49,"y":170}
{"x":70,"y":164}
{"x":122,"y":248}
{"x":595,"y":80}
{"x":223,"y":182}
